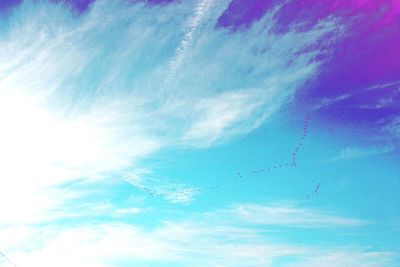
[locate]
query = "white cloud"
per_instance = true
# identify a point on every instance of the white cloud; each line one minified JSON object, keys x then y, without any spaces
{"x":356,"y":153}
{"x":128,"y":211}
{"x":380,"y":103}
{"x":329,"y":101}
{"x":392,"y":126}
{"x":347,"y":256}
{"x":172,"y":191}
{"x":287,"y":215}
{"x":201,"y":10}
{"x":383,"y":86}
{"x":86,"y":97}
{"x":108,"y":245}
{"x":83,"y":99}
{"x":196,"y":241}
{"x":221,"y":115}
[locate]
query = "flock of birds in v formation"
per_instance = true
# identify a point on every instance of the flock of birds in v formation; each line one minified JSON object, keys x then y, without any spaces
{"x":240,"y":175}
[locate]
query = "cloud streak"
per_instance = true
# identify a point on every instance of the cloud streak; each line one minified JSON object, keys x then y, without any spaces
{"x":288,"y":215}
{"x":350,"y":153}
{"x":198,"y":240}
{"x":85,"y":99}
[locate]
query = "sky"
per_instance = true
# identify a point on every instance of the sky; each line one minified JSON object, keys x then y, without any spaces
{"x":199,"y":133}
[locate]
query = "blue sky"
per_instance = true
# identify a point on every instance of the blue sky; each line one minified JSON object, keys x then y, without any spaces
{"x":137,"y":134}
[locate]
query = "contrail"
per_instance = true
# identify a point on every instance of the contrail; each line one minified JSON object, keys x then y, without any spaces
{"x":201,"y":11}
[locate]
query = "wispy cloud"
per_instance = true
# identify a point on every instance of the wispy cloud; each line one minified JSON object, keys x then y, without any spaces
{"x":221,"y":115}
{"x":196,"y":241}
{"x":392,"y":126}
{"x":288,"y":215}
{"x":356,"y":152}
{"x":161,"y":187}
{"x":347,"y":256}
{"x":201,"y":11}
{"x":86,"y":97}
{"x":77,"y":96}
{"x":325,"y":102}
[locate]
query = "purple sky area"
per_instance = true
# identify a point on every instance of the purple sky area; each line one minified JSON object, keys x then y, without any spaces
{"x":367,"y":54}
{"x":362,"y":69}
